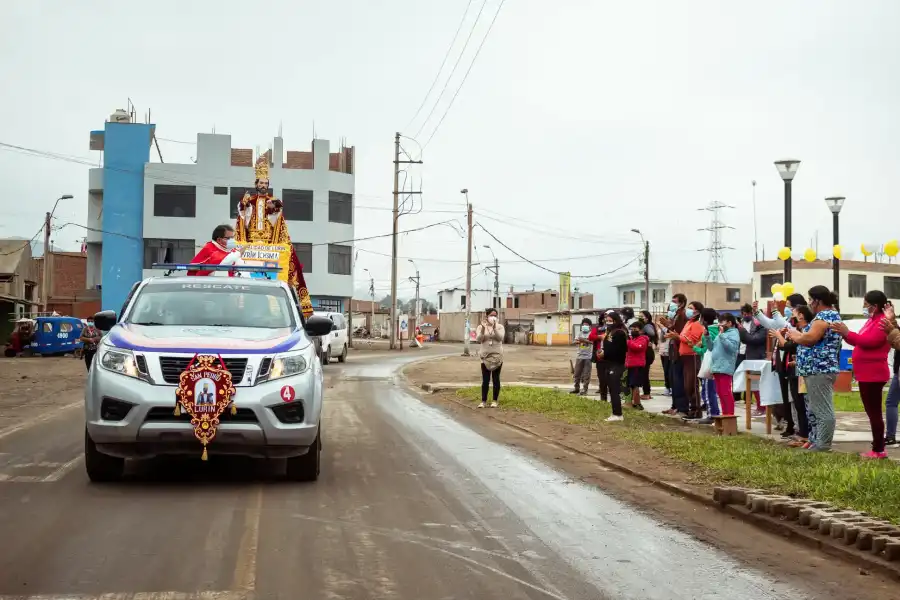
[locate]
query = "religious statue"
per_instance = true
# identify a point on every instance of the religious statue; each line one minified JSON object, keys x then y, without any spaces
{"x":260,"y":220}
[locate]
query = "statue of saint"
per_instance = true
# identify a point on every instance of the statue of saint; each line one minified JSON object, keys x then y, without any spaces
{"x":260,"y":220}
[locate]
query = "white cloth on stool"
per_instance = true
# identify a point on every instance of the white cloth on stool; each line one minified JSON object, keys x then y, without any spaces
{"x":768,"y":386}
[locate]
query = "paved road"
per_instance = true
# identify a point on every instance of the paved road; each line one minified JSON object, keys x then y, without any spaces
{"x":411,"y":505}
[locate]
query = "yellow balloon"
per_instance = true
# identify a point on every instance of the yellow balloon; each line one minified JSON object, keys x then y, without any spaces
{"x":784,"y":253}
{"x":787,"y":288}
{"x":776,"y":287}
{"x":837,"y":251}
{"x":809,"y":255}
{"x":866,"y":250}
{"x":892,"y":248}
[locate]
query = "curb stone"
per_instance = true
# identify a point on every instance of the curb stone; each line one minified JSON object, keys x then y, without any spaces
{"x":733,"y":501}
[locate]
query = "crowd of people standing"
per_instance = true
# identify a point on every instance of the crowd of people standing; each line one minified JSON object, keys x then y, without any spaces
{"x":805,"y":336}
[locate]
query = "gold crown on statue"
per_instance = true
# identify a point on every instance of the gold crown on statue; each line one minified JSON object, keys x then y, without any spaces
{"x":262,"y":168}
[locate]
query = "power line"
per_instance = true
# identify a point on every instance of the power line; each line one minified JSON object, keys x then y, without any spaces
{"x":466,"y":76}
{"x":450,"y":260}
{"x":443,"y":62}
{"x":548,"y":231}
{"x":452,"y":71}
{"x":25,"y":244}
{"x":531,"y":262}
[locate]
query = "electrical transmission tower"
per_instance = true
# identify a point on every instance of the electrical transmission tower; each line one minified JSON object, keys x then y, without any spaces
{"x":715,"y":271}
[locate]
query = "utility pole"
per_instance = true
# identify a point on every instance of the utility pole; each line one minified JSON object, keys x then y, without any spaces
{"x":647,"y":276}
{"x":416,"y":280}
{"x":372,"y":307}
{"x":397,"y":163}
{"x":496,"y":271}
{"x":45,"y":284}
{"x":468,"y":273}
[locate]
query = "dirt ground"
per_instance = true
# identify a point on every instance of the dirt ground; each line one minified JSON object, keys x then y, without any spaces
{"x":835,"y":578}
{"x":31,"y":387}
{"x":523,"y":364}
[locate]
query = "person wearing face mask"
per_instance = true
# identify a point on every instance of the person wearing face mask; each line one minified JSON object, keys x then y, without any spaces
{"x":219,"y":249}
{"x":724,"y":350}
{"x":753,"y":346}
{"x":870,"y":367}
{"x":490,"y":335}
{"x":636,"y":362}
{"x":889,"y":325}
{"x":818,"y":352}
{"x":784,"y":358}
{"x":709,"y":318}
{"x":615,"y":348}
{"x":90,"y":337}
{"x":688,"y":338}
{"x":583,"y":368}
{"x":596,"y":337}
{"x":674,"y":322}
{"x":649,"y":329}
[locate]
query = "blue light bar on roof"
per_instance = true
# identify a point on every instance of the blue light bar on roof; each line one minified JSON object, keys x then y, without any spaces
{"x":227,"y":268}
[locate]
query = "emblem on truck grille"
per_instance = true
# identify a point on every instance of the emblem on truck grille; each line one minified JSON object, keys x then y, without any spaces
{"x":205,"y":391}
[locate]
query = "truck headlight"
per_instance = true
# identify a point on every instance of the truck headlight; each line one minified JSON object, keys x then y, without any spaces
{"x":119,"y":361}
{"x":286,"y":365}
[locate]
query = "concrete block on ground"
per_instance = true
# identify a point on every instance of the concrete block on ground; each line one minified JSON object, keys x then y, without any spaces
{"x":864,"y":539}
{"x":892,"y":550}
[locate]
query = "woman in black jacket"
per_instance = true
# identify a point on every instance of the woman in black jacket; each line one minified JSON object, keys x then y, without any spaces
{"x":615,"y":347}
{"x":785,"y":364}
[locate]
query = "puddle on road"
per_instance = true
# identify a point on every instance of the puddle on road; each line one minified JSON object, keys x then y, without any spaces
{"x":591,"y":531}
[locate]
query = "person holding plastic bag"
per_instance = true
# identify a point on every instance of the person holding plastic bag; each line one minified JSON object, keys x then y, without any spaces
{"x":724,"y":360}
{"x":708,"y":394}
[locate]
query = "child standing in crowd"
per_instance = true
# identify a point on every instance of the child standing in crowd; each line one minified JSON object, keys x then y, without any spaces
{"x":724,"y":359}
{"x":636,"y":362}
{"x":651,"y":333}
{"x":708,"y":395}
{"x":596,"y":338}
{"x":583,"y":358}
{"x":753,"y":347}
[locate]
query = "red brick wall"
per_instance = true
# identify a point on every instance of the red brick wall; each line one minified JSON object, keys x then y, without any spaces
{"x":82,"y":310}
{"x":241,"y":157}
{"x":69,"y":274}
{"x":299,"y":160}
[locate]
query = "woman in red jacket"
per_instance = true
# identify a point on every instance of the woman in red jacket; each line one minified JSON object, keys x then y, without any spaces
{"x":636,"y":361}
{"x":870,"y":366}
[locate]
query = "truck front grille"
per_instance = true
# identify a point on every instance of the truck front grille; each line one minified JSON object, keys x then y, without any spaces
{"x":173,"y":366}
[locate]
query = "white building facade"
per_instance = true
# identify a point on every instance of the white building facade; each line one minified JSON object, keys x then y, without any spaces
{"x":183,"y":203}
{"x":855,"y":279}
{"x":454,"y":300}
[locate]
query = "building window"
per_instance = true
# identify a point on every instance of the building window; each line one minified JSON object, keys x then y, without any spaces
{"x":237,"y":193}
{"x":440,"y":302}
{"x":767,"y":281}
{"x":892,"y":287}
{"x":220,"y":191}
{"x":732,"y":294}
{"x":516,"y":302}
{"x":643,"y":297}
{"x":856,"y":285}
{"x":339,"y":259}
{"x":340,"y":208}
{"x":659,"y":296}
{"x":174,"y":201}
{"x":328,"y":305}
{"x":168,"y":251}
{"x":462,"y":301}
{"x":304,"y":256}
{"x":298,"y":205}
{"x":628,"y":298}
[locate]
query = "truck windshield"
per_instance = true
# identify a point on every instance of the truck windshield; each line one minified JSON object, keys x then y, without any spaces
{"x":212,"y":304}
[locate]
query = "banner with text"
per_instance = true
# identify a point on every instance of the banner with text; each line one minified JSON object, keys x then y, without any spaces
{"x":565,"y":290}
{"x":268,"y":255}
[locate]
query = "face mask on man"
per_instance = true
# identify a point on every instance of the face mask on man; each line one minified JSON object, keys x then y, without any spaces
{"x":747,"y":318}
{"x":230,"y":244}
{"x":585,"y":329}
{"x":90,"y":323}
{"x":788,"y":312}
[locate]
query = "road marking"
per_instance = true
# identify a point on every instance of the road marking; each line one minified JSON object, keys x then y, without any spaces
{"x":28,"y":423}
{"x":62,"y":470}
{"x":140,"y":596}
{"x":59,"y":470}
{"x":245,"y":567}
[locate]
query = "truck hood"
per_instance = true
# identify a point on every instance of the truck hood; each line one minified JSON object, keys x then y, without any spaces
{"x":215,"y":340}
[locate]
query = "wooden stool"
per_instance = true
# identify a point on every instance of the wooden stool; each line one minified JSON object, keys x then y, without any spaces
{"x":726,"y":424}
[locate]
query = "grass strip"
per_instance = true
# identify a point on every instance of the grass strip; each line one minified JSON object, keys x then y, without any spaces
{"x":746,"y":460}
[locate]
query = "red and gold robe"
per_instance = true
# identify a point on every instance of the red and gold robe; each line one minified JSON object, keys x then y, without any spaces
{"x":211,"y":254}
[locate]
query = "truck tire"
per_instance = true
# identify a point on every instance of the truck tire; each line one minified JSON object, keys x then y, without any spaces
{"x":306,"y":467}
{"x":343,"y":356}
{"x":101,"y":468}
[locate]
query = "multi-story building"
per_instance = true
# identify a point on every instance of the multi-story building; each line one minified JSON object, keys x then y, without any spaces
{"x":717,"y":295}
{"x":140,"y":212}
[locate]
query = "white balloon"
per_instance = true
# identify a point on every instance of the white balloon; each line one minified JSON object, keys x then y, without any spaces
{"x":778,"y":297}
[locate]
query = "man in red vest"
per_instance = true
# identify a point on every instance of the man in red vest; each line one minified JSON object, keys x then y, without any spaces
{"x":215,"y":251}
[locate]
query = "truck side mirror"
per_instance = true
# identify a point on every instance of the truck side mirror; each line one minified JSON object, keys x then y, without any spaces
{"x":105,"y":320}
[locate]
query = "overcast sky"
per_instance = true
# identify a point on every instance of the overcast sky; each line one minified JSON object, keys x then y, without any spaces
{"x":580,"y":119}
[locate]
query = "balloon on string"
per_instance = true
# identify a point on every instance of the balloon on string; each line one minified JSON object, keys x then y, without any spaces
{"x":809,"y":255}
{"x":787,"y":288}
{"x":868,"y":248}
{"x":784,"y":253}
{"x":891,"y":248}
{"x":776,"y":288}
{"x":837,"y":251}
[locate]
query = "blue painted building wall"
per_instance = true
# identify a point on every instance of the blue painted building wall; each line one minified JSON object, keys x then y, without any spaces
{"x":126,"y":151}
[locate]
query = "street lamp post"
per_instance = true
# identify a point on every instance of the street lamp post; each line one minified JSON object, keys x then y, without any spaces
{"x":416,"y":280}
{"x":646,"y":269}
{"x":465,"y":192}
{"x":372,"y":305}
{"x":496,"y":268}
{"x":46,"y":280}
{"x":835,"y":203}
{"x":787,"y":169}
